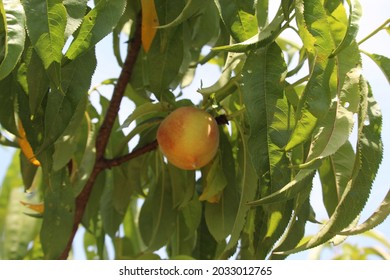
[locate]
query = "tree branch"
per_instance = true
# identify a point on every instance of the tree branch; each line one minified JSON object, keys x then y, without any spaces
{"x":136,"y":153}
{"x":104,"y":134}
{"x":113,"y":108}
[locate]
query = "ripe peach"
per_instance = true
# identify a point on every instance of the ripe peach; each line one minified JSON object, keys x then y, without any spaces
{"x":188,"y":137}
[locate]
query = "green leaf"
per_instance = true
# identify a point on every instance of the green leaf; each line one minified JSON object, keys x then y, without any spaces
{"x":13,"y":17}
{"x":123,"y":27}
{"x":303,"y":129}
{"x":261,"y":39}
{"x":289,"y":191}
{"x":118,"y":190}
{"x":163,"y":61}
{"x":96,"y":24}
{"x":367,"y":160}
{"x":28,"y":171}
{"x":130,"y":227}
{"x":206,"y":26}
{"x":239,"y":17}
{"x":61,"y":109}
{"x":20,"y":229}
{"x":142,"y":111}
{"x":222,"y":88}
{"x":270,"y":120}
{"x":111,"y":217}
{"x":275,"y":219}
{"x":157,"y":220}
{"x":248,"y":191}
{"x":286,"y":6}
{"x":314,"y":103}
{"x":123,"y":189}
{"x":67,"y":143}
{"x":249,"y":235}
{"x":331,"y":133}
{"x":338,"y":20}
{"x":84,"y":156}
{"x":296,"y":229}
{"x":12,"y":179}
{"x":37,"y":82}
{"x":157,"y":70}
{"x":46,"y":23}
{"x":183,"y":239}
{"x":92,"y":218}
{"x":206,"y":245}
{"x":245,"y":25}
{"x":225,"y":83}
{"x":192,"y":8}
{"x":58,"y":215}
{"x":183,"y":185}
{"x":220,"y":216}
{"x":374,"y":220}
{"x":192,"y":213}
{"x":215,"y":181}
{"x":75,"y":10}
{"x":227,"y":12}
{"x":348,"y":78}
{"x":314,"y":28}
{"x":355,"y":13}
{"x":267,"y":107}
{"x":262,"y":7}
{"x":383,"y":63}
{"x":9,"y":89}
{"x":335,"y":173}
{"x":116,"y":145}
{"x":89,"y":243}
{"x":137,"y":171}
{"x":35,"y":253}
{"x":339,"y":239}
{"x":334,"y":129}
{"x":315,"y":33}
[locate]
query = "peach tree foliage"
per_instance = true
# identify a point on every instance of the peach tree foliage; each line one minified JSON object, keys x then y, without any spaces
{"x":277,"y":128}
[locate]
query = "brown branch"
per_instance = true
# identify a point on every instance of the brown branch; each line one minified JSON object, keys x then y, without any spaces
{"x":113,"y":108}
{"x":136,"y":153}
{"x":104,"y":134}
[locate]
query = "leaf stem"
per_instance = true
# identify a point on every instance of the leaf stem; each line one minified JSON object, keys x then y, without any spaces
{"x":382,"y":26}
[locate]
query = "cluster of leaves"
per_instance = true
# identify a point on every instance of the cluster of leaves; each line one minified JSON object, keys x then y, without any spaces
{"x":252,"y":201}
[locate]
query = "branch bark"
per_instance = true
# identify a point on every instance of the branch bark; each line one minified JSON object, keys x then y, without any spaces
{"x":136,"y":153}
{"x":104,"y":134}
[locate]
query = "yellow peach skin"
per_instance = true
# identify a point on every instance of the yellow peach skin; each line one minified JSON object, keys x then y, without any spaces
{"x":188,"y":137}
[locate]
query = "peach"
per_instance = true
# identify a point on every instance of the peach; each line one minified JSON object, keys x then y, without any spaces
{"x":188,"y":137}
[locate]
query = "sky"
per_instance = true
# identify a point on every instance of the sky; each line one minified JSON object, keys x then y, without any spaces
{"x":375,"y":12}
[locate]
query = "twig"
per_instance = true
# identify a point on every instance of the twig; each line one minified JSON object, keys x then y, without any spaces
{"x":136,"y":153}
{"x":104,"y":134}
{"x":382,"y":26}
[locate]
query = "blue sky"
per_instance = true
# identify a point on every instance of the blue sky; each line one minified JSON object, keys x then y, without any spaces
{"x":374,"y":13}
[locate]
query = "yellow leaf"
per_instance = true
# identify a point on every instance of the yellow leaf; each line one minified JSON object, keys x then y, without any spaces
{"x":25,"y":145}
{"x":37,"y":207}
{"x":149,"y":23}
